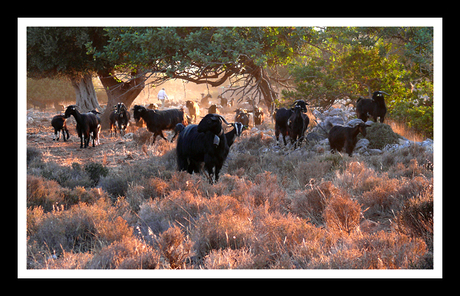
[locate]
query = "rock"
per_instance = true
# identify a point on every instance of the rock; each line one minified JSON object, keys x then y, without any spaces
{"x":363,"y":143}
{"x":324,"y":142}
{"x":427,"y":142}
{"x":314,"y":137}
{"x":354,"y":122}
{"x":391,"y":147}
{"x":428,"y":145}
{"x":334,"y":112}
{"x":331,"y":121}
{"x":374,"y":151}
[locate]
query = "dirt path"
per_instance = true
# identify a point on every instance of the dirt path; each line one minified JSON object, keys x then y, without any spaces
{"x":111,"y":152}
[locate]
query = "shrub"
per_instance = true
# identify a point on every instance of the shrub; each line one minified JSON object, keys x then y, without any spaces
{"x":229,"y":259}
{"x":253,"y":143}
{"x":277,"y":233}
{"x":95,"y":171}
{"x":311,"y":203}
{"x":135,"y":197}
{"x":221,"y":231}
{"x":114,"y":185}
{"x":82,"y":228}
{"x":175,"y":247}
{"x":379,"y":135}
{"x":357,"y":177}
{"x":385,"y":250}
{"x":49,"y":195}
{"x":177,"y":207}
{"x":43,"y":193}
{"x":155,"y":187}
{"x":416,"y":217}
{"x":33,"y":155}
{"x":65,"y":176}
{"x":312,"y":169}
{"x":128,"y":253}
{"x":342,"y":214}
{"x":383,"y":197}
{"x":267,"y":192}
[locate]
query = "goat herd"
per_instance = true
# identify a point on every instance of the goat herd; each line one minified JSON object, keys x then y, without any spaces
{"x":205,"y":142}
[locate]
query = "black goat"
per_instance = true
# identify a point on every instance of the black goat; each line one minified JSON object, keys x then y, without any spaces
{"x":374,"y":107}
{"x":86,"y":124}
{"x":233,"y":134}
{"x":340,"y":136}
{"x":119,"y":118}
{"x":59,"y":124}
{"x":179,"y":127}
{"x":282,"y":117}
{"x":297,"y":125}
{"x":159,"y":120}
{"x":123,"y":117}
{"x":200,"y":143}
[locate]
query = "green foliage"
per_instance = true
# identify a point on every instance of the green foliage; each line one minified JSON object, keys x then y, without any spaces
{"x":353,"y":62}
{"x":380,"y":134}
{"x":61,"y":51}
{"x":172,"y":50}
{"x":205,"y":54}
{"x":96,"y":171}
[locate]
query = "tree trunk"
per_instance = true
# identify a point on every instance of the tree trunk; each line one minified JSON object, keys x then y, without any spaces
{"x":266,"y":88}
{"x":119,"y":92}
{"x":86,"y":99}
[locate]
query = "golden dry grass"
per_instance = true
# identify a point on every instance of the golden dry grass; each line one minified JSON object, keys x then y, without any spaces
{"x":272,"y":208}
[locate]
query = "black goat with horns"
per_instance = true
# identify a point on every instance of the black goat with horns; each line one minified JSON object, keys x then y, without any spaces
{"x":205,"y":142}
{"x":374,"y":107}
{"x":87,"y":124}
{"x":283,"y":116}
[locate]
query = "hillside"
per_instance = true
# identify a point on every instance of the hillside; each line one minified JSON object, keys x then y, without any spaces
{"x":124,"y":205}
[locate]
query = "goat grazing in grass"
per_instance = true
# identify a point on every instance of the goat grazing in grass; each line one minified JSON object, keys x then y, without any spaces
{"x":344,"y":136}
{"x":205,"y":142}
{"x":374,"y":107}
{"x":59,"y":124}
{"x":87,"y":124}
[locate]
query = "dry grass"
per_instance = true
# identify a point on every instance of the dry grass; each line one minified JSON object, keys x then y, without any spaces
{"x":272,"y":208}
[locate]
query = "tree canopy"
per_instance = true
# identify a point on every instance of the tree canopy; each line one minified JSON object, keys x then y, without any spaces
{"x":207,"y":54}
{"x":318,"y":64}
{"x":356,"y":61}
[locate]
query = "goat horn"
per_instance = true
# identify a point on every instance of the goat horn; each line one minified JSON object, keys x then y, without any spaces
{"x":384,"y":92}
{"x":218,"y":115}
